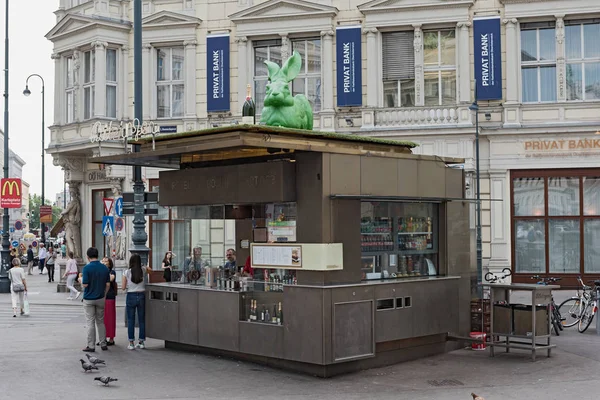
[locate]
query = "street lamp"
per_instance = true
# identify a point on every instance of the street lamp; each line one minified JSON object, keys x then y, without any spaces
{"x":475,"y":108}
{"x":27,"y":92}
{"x":5,"y":253}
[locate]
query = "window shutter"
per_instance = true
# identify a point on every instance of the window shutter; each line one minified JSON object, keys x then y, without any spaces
{"x":398,"y":55}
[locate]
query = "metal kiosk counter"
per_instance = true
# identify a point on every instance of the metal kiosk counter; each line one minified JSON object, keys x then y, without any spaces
{"x":521,"y":326}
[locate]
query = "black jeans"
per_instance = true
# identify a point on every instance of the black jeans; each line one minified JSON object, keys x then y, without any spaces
{"x":50,"y":268}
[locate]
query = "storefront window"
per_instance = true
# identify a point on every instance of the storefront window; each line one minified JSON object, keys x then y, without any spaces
{"x":399,"y":240}
{"x":556,"y":221}
{"x":98,"y":239}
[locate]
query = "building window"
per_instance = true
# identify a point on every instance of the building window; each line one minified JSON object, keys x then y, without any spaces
{"x":98,"y":239}
{"x":538,"y":62}
{"x":170,"y":83}
{"x":398,"y":69}
{"x":111,"y":83}
{"x":582,"y":49}
{"x":264,"y":50}
{"x":308,"y":81}
{"x":439,"y":68}
{"x":70,"y":89}
{"x":89,"y":78}
{"x":556,"y":222}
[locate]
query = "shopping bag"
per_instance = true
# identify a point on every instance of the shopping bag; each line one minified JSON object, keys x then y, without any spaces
{"x":25,"y":305}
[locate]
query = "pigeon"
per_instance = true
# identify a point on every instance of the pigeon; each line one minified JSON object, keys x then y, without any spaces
{"x":87,"y":366}
{"x":106,"y":380}
{"x":475,"y":397}
{"x":95,"y":360}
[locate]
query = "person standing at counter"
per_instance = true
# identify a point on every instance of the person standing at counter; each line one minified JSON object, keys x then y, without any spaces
{"x":167,"y":262}
{"x":192,"y":263}
{"x":110,"y":304}
{"x":133,"y":283}
{"x":230,"y":265}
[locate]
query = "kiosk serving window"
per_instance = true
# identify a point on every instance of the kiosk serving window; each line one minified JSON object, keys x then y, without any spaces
{"x":399,"y":239}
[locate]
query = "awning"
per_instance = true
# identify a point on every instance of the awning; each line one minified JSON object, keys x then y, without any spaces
{"x":405,"y":199}
{"x":57,"y":228}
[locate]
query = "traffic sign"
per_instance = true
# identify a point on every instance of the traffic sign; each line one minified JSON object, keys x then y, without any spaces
{"x":18,"y":225}
{"x":11,"y":229}
{"x":11,"y":195}
{"x":108,"y":204}
{"x":15,"y":243}
{"x":119,"y":224}
{"x":108,"y":225}
{"x":34,"y":243}
{"x":119,"y":207}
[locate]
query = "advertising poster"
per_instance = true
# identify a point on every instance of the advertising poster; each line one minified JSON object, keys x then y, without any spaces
{"x":217,"y":70}
{"x":349,"y":66}
{"x":488,"y":58}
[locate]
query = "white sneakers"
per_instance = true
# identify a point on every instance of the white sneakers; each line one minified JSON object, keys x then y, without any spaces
{"x":130,"y":347}
{"x":69,"y":298}
{"x":139,"y":345}
{"x":78,"y":294}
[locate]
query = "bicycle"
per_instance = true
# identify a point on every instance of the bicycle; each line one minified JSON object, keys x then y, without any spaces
{"x":555,"y":317}
{"x":590,"y":310}
{"x":572,"y":308}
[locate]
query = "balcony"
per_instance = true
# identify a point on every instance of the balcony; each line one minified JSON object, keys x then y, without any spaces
{"x":429,"y":117}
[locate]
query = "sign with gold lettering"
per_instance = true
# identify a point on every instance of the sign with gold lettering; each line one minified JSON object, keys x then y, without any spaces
{"x":562,"y":147}
{"x":11,"y":194}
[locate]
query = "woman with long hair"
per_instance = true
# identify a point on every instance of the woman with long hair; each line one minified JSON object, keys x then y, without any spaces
{"x":167,"y":262}
{"x":133,"y":283}
{"x":110,"y":304}
{"x":71,"y":274}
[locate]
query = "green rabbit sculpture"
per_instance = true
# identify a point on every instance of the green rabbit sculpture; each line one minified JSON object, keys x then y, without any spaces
{"x":281,"y":109}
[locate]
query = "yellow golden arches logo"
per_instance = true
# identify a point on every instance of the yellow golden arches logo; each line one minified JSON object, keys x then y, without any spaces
{"x":13,"y":186}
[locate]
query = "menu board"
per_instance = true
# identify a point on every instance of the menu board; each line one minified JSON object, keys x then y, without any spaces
{"x":277,"y":256}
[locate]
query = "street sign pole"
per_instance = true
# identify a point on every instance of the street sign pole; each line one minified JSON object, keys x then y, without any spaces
{"x":5,"y":253}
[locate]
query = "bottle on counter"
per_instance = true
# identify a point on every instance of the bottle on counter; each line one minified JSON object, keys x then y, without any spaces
{"x":262,"y":314}
{"x":267,"y":316}
{"x":249,"y":108}
{"x":279,"y":315}
{"x":252,"y":316}
{"x":274,"y":316}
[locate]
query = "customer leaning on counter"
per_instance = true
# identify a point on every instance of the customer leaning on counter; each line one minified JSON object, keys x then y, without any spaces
{"x":230,"y":265}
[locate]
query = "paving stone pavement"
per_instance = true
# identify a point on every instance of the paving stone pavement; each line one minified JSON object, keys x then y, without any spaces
{"x":40,"y":360}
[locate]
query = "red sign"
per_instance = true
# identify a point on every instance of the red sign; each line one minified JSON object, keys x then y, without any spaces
{"x":46,"y":214}
{"x":108,"y":204}
{"x":10,"y":193}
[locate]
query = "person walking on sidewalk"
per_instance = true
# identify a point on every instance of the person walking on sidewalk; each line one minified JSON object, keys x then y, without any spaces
{"x":18,"y":286}
{"x":50,"y":260}
{"x":110,"y":304}
{"x":71,"y":274}
{"x":133,"y":283}
{"x":96,"y":282}
{"x":29,"y":260}
{"x":42,"y":257}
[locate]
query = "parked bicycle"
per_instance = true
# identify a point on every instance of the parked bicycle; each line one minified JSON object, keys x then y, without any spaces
{"x":556,"y":318}
{"x":590,"y":309}
{"x":492,"y":277}
{"x":572,"y":308}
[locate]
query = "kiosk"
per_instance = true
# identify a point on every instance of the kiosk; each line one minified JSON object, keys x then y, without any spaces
{"x":359,"y":248}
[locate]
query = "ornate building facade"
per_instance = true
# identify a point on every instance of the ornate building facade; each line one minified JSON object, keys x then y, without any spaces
{"x":539,"y":148}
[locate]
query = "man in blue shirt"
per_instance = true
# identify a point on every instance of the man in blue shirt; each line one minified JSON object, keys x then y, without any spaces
{"x":96,"y":282}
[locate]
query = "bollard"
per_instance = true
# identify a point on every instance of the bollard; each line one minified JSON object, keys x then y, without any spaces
{"x":597,"y":317}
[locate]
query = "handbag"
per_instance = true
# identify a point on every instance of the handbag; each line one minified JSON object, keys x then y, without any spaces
{"x":25,"y":305}
{"x":18,"y":287}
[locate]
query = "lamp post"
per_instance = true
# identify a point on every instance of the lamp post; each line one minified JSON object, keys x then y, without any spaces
{"x":139,"y":236}
{"x":27,"y":92}
{"x":5,"y":253}
{"x":475,"y":108}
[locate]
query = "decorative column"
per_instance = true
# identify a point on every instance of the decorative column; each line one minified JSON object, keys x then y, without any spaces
{"x":123,"y":85}
{"x":149,"y":78}
{"x":561,"y":67}
{"x":372,"y":68}
{"x":100,"y":79}
{"x":419,"y":79}
{"x":511,"y":106}
{"x":243,"y":71}
{"x":285,"y":46}
{"x":78,"y":76}
{"x":499,"y":220}
{"x":464,"y":63}
{"x":512,"y":61}
{"x":190,"y":79}
{"x":327,"y":66}
{"x":59,"y":90}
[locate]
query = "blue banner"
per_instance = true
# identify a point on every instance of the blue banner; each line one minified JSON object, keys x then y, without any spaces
{"x":488,"y":58}
{"x":217,"y":70}
{"x":349,"y":66}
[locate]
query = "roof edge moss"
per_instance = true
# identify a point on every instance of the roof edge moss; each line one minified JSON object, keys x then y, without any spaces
{"x":272,"y":129}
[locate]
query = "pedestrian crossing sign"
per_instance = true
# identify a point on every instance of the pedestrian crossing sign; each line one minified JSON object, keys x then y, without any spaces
{"x":108,"y":225}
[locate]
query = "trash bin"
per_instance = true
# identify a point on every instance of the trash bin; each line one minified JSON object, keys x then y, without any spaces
{"x":502,"y":319}
{"x":523,"y":320}
{"x":478,"y":336}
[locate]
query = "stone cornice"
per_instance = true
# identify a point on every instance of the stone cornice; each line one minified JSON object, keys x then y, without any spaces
{"x":305,"y":9}
{"x":375,"y":7}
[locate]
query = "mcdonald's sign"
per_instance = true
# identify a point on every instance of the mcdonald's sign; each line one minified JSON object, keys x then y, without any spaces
{"x":10,"y":193}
